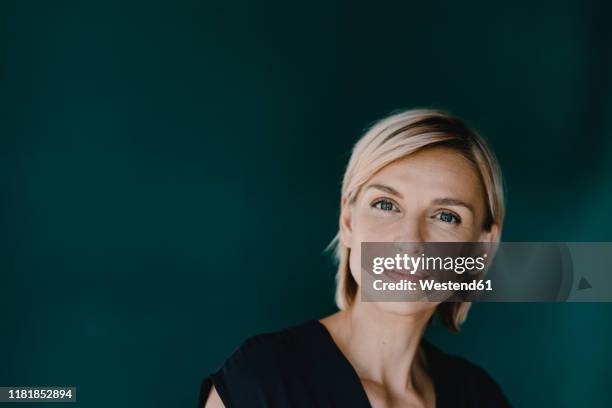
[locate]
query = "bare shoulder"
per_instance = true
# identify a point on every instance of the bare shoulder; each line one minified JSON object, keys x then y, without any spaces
{"x":335,"y":321}
{"x":336,"y":325}
{"x":213,"y":401}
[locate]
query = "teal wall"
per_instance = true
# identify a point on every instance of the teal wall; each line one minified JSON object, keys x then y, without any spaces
{"x":170,"y":175}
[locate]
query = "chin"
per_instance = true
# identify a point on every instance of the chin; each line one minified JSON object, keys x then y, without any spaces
{"x":406,"y":308}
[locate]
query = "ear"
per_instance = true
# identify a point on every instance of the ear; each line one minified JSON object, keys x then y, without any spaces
{"x":346,"y":226}
{"x":492,"y":235}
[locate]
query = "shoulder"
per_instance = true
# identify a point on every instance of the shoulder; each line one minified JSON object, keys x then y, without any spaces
{"x":260,"y":366}
{"x":463,"y":380}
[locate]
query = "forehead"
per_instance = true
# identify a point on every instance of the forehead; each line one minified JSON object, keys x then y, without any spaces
{"x":441,"y":171}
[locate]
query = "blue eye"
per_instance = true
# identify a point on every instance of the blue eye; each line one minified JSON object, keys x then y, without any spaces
{"x":448,"y":217}
{"x":385,"y":205}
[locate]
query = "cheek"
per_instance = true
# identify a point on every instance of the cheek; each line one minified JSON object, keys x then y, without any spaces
{"x":371,"y":228}
{"x":368,"y":229}
{"x":438,"y":233}
{"x":469,"y":233}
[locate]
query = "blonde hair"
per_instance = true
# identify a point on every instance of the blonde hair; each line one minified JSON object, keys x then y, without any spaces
{"x":395,"y":137}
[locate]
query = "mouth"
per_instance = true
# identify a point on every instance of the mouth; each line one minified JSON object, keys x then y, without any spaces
{"x":398,"y":275}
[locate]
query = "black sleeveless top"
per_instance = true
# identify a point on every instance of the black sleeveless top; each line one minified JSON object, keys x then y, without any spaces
{"x":303,"y":367}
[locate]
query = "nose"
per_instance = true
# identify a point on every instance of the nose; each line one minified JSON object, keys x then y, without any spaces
{"x":410,"y":238}
{"x":409,"y":231}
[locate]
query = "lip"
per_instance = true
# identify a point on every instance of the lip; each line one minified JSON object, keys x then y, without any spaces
{"x":397,"y":276}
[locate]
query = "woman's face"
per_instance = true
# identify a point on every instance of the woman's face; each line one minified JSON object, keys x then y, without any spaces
{"x":434,"y":195}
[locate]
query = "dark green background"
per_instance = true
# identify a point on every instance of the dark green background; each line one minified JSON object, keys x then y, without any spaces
{"x":170,"y":175}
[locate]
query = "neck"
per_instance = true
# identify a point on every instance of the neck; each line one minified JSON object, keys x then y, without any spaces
{"x":382,"y":346}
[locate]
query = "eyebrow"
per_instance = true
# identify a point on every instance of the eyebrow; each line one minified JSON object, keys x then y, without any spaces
{"x":452,"y":201}
{"x":437,"y":201}
{"x":386,"y":189}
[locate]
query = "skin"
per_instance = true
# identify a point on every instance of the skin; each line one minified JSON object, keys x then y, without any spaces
{"x":434,"y":195}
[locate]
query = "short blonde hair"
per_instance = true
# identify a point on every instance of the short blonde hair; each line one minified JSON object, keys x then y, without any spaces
{"x":395,"y":137}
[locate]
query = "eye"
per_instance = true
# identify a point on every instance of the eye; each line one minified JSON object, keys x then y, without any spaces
{"x":448,"y":217}
{"x":385,"y":205}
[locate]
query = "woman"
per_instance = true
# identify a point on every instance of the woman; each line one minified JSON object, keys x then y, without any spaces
{"x":415,"y":176}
